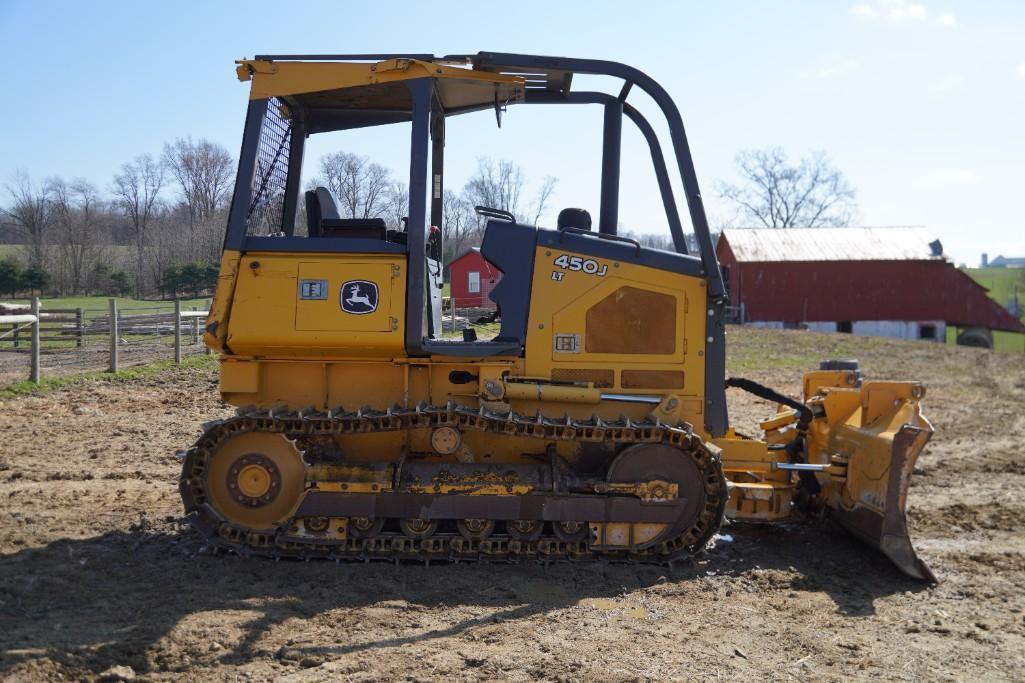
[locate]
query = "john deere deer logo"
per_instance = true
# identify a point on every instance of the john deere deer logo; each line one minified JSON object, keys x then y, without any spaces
{"x":359,"y":297}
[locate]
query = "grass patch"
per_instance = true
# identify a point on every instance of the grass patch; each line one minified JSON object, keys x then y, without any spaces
{"x":98,"y":305}
{"x":48,"y":384}
{"x":484,"y":331}
{"x":1005,"y":342}
{"x":1002,"y":283}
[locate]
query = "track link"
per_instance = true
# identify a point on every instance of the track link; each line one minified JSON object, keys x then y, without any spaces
{"x":297,"y":425}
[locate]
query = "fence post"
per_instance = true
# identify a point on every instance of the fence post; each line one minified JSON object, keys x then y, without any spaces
{"x":34,"y":372}
{"x":113,"y":336}
{"x":177,"y":331}
{"x":79,"y":326}
{"x":195,"y":327}
{"x":209,"y":307}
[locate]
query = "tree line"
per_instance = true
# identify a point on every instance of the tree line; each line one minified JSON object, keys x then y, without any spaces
{"x":157,"y":227}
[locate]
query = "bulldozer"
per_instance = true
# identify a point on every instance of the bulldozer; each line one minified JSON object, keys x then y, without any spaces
{"x":592,"y":425}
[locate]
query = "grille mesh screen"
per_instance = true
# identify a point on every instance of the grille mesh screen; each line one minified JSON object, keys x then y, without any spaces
{"x":266,"y":209}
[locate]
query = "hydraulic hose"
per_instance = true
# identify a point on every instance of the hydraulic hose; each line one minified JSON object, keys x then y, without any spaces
{"x":795,"y":449}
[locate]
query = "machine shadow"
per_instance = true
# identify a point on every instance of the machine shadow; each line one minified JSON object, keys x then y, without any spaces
{"x":110,"y":600}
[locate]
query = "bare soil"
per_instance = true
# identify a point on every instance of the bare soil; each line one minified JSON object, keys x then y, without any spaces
{"x":98,"y":579}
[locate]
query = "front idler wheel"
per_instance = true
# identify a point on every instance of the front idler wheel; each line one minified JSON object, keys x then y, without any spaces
{"x":255,"y":480}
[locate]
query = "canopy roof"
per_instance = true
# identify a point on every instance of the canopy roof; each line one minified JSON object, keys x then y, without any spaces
{"x":833,"y":244}
{"x":349,"y":94}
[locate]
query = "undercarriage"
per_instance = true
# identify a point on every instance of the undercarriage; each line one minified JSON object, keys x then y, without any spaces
{"x":249,"y":487}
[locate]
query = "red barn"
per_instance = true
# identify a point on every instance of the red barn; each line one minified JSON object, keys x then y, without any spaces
{"x":892,"y":282}
{"x":472,"y":279}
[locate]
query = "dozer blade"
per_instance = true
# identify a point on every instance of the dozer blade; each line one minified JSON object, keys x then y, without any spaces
{"x":881,"y":442}
{"x":878,"y":516}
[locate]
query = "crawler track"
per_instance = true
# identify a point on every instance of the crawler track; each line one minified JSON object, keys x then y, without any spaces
{"x":389,"y":543}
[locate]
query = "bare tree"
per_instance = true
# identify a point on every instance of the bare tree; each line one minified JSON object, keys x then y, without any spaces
{"x":460,"y":225}
{"x":78,"y":216}
{"x":655,"y":241}
{"x":775,"y":194}
{"x":396,"y":203}
{"x":500,"y":185}
{"x":362,"y":187}
{"x":204,"y":171}
{"x":544,"y":193}
{"x":136,"y":189}
{"x":31,"y":214}
{"x":497,"y":185}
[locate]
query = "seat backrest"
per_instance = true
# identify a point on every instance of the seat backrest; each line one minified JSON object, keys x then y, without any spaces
{"x":510,"y":248}
{"x":320,"y":205}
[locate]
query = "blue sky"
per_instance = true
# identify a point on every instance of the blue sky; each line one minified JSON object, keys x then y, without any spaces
{"x":920,"y":104}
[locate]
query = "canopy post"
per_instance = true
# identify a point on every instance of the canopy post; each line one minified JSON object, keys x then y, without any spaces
{"x":608,"y":218}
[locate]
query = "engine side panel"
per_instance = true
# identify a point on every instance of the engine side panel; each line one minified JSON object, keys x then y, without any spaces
{"x":626,"y":327}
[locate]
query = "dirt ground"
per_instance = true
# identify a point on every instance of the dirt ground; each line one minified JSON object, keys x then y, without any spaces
{"x":98,"y":579}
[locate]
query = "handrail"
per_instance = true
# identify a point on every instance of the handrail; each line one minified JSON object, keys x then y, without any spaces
{"x":600,"y":235}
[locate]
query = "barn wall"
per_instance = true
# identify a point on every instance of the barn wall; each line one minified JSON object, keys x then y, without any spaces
{"x":897,"y":329}
{"x":459,"y":271}
{"x":796,"y":292}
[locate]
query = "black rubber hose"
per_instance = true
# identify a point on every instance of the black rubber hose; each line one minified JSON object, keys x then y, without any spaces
{"x":769,"y":394}
{"x":807,"y":479}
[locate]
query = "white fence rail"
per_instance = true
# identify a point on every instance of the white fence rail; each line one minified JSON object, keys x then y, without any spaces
{"x":66,"y":332}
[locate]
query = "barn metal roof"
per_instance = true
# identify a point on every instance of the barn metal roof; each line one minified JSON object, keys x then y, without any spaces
{"x":833,"y":244}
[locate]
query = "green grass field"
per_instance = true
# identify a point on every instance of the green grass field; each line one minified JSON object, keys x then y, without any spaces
{"x":100,"y":303}
{"x":120,"y":252}
{"x":1002,"y":283}
{"x":94,"y":307}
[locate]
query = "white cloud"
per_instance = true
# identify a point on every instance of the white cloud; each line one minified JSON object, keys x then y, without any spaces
{"x":829,"y":67}
{"x":866,"y":11}
{"x":946,"y":178}
{"x":902,"y":12}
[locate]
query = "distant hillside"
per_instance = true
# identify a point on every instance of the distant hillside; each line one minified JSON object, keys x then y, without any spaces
{"x":1002,"y":283}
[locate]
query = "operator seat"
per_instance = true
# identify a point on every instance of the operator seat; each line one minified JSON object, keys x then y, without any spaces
{"x":320,"y":204}
{"x":323,"y":220}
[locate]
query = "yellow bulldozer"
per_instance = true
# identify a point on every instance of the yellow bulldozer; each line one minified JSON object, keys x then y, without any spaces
{"x":592,"y":425}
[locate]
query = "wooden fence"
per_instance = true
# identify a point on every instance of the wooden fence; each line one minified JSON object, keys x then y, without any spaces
{"x":63,"y":330}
